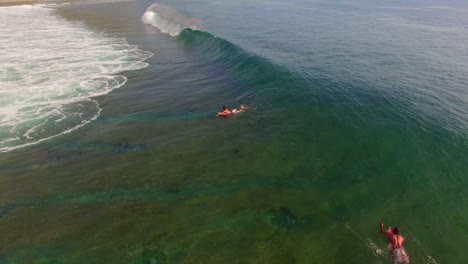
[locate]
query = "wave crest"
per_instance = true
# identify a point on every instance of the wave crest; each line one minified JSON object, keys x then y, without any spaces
{"x":168,"y":20}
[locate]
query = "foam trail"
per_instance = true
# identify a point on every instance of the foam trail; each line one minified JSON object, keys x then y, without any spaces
{"x":376,"y":250}
{"x":50,"y":69}
{"x":168,"y":20}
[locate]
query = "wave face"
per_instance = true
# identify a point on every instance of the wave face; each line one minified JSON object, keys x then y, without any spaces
{"x":50,"y":70}
{"x":168,"y":20}
{"x":264,"y":82}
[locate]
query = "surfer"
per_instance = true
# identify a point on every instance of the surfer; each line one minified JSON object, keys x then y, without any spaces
{"x":227,"y":112}
{"x":395,"y":244}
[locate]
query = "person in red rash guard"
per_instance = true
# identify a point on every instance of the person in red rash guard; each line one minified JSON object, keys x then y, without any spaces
{"x":225,"y":112}
{"x":395,"y":244}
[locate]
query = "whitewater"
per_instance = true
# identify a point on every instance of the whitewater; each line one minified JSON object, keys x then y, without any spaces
{"x":51,"y":70}
{"x":168,"y":20}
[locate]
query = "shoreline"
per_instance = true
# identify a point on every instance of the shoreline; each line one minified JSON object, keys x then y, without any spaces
{"x":4,"y":3}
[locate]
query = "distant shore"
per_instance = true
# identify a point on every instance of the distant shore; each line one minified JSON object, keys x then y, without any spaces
{"x":19,"y":2}
{"x":29,"y":2}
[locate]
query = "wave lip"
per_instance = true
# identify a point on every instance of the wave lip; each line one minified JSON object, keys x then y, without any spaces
{"x":51,"y":71}
{"x":168,"y":20}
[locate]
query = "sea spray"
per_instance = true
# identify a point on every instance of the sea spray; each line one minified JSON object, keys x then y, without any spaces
{"x":168,"y":20}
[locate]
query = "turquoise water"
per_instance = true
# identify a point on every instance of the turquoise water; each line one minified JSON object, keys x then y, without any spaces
{"x":357,"y":114}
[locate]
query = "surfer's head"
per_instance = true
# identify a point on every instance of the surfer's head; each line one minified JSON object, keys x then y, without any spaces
{"x":224,"y":107}
{"x":396,"y":231}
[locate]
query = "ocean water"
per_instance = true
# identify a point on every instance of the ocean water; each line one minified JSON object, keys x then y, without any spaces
{"x":357,"y":113}
{"x":51,"y":73}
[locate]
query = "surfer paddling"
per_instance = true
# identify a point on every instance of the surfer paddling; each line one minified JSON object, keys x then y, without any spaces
{"x":395,"y":244}
{"x":227,"y":112}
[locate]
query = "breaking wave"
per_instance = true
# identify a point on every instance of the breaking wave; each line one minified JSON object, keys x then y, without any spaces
{"x":50,"y":73}
{"x":168,"y":20}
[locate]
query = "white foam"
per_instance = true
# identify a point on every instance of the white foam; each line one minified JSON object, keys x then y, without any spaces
{"x":376,"y":250}
{"x":50,"y":69}
{"x":168,"y":20}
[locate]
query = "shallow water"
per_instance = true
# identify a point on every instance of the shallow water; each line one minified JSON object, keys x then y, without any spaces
{"x":357,"y":113}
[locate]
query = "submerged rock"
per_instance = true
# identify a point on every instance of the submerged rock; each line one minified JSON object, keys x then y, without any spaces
{"x":6,"y":208}
{"x":152,"y":256}
{"x":66,"y":156}
{"x":281,"y":218}
{"x":122,"y":148}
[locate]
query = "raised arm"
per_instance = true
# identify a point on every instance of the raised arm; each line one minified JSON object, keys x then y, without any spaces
{"x":382,"y":230}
